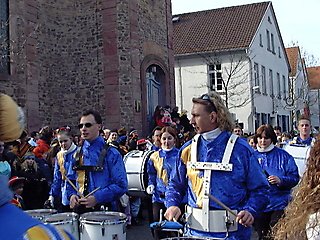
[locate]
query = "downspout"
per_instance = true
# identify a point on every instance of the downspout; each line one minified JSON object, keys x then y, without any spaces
{"x":253,"y":112}
{"x":180,"y":85}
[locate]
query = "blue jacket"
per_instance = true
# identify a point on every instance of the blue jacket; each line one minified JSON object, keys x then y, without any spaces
{"x":159,"y":168}
{"x":298,"y":140}
{"x":279,"y":163}
{"x":112,"y":180}
{"x":59,"y":185}
{"x":244,"y":188}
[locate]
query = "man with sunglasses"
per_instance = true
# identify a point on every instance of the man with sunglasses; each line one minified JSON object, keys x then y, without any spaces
{"x":99,"y":168}
{"x":221,"y":177}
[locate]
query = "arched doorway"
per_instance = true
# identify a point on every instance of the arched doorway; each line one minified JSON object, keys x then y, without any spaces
{"x":155,"y":91}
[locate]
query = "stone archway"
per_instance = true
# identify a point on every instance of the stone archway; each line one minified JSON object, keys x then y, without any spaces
{"x":154,"y":84}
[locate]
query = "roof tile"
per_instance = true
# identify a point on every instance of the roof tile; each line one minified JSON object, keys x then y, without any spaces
{"x":217,"y":29}
{"x":314,"y":77}
{"x":293,"y":54}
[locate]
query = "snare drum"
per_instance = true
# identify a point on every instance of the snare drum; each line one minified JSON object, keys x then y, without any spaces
{"x":136,"y":168}
{"x":41,"y":214}
{"x":66,"y":221}
{"x":103,"y":226}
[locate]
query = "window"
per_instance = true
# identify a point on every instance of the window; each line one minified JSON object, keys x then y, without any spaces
{"x":279,"y":85}
{"x":271,"y":83}
{"x":4,"y":35}
{"x":256,"y":77}
{"x":260,"y":37}
{"x":284,"y":88}
{"x":272,"y":43}
{"x":215,"y":77}
{"x":279,"y":51}
{"x":268,"y":40}
{"x":263,"y":80}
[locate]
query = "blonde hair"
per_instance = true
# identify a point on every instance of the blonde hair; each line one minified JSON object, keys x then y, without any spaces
{"x":304,"y":203}
{"x":224,"y":119}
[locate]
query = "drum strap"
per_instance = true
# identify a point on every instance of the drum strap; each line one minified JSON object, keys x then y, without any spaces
{"x":83,"y":171}
{"x":208,"y":168}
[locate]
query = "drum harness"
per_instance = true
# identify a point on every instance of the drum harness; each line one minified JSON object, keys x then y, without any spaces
{"x":88,"y":168}
{"x":205,"y":219}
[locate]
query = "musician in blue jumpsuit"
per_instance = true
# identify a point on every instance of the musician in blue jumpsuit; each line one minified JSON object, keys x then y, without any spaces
{"x":282,"y":174}
{"x":62,"y":169}
{"x":244,"y":189}
{"x":160,"y":165}
{"x":111,"y":180}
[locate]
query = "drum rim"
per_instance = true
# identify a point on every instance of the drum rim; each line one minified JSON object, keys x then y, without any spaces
{"x":50,"y":211}
{"x":83,"y":218}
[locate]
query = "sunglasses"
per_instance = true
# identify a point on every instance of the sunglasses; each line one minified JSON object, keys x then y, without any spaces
{"x":207,"y":98}
{"x":87,"y":125}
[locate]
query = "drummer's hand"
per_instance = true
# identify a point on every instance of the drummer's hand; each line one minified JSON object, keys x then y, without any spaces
{"x":245,"y":218}
{"x":172,"y":213}
{"x":88,"y":202}
{"x":274,"y":180}
{"x":74,"y":201}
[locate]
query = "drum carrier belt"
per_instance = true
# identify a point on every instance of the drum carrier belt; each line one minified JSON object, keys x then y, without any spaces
{"x":205,"y":219}
{"x":87,"y":168}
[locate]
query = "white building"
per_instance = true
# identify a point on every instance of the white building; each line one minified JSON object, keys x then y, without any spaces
{"x":298,"y":85}
{"x":237,"y":51}
{"x":314,"y":95}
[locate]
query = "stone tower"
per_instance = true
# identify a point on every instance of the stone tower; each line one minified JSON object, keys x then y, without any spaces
{"x":66,"y":56}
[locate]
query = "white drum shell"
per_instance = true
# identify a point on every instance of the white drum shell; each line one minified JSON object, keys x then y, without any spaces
{"x":65,"y":221}
{"x":300,"y":155}
{"x":91,"y":229}
{"x":136,"y":168}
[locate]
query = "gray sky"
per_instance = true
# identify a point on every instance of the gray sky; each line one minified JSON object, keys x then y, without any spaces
{"x":299,"y":21}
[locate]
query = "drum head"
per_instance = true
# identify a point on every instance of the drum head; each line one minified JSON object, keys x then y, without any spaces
{"x":62,"y":217}
{"x":107,"y":218}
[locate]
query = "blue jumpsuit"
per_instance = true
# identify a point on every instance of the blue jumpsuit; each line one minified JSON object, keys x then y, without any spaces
{"x":160,"y":165}
{"x":112,"y":180}
{"x":279,"y":163}
{"x":17,"y":225}
{"x":244,"y":188}
{"x":64,"y":164}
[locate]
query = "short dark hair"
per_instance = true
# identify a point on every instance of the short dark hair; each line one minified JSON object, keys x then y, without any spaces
{"x":277,"y":128}
{"x":304,"y":117}
{"x":157,"y":128}
{"x":268,"y":131}
{"x":34,"y":134}
{"x":96,"y":115}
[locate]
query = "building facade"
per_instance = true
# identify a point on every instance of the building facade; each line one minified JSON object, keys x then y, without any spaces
{"x":67,"y":56}
{"x":238,"y":52}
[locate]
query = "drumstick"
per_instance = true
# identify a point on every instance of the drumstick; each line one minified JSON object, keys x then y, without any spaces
{"x":73,"y":186}
{"x":92,"y":192}
{"x":221,"y":204}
